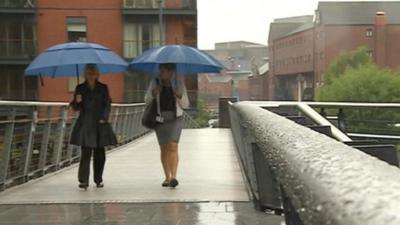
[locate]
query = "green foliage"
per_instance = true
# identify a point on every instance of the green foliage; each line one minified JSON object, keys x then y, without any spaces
{"x":354,"y":59}
{"x":354,"y":78}
{"x":202,"y":116}
{"x":367,"y":83}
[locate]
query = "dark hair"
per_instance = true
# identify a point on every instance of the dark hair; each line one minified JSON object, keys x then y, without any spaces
{"x":91,"y":66}
{"x":168,"y":66}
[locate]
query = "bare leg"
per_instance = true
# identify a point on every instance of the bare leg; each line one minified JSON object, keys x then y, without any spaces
{"x":164,"y":161}
{"x":173,"y":158}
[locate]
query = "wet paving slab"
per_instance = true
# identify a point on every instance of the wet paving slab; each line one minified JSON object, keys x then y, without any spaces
{"x":212,"y":190}
{"x":206,"y":213}
{"x":209,"y":171}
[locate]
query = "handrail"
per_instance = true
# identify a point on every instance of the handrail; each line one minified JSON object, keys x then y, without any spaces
{"x":33,"y":103}
{"x":326,"y":104}
{"x":35,"y":137}
{"x":325,"y":181}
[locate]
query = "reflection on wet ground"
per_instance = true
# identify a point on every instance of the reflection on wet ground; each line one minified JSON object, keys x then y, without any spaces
{"x":211,"y":213}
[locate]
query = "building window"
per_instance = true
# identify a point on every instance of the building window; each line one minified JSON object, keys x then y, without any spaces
{"x":368,"y":32}
{"x":140,"y":37}
{"x":76,"y":29}
{"x":141,"y":3}
{"x":16,"y":86}
{"x":17,"y":36}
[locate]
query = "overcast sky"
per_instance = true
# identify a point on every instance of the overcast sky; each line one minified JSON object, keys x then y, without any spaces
{"x":247,"y":20}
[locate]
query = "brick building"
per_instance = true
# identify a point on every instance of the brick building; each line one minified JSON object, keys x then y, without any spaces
{"x":258,"y":83}
{"x":128,"y":27}
{"x":240,"y":58}
{"x":301,"y":48}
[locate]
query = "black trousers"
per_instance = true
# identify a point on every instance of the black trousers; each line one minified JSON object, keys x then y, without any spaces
{"x":99,"y":159}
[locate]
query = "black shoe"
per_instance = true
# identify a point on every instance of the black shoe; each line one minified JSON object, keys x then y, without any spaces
{"x":173,"y":183}
{"x":100,"y":185}
{"x":165,"y":183}
{"x":83,"y":186}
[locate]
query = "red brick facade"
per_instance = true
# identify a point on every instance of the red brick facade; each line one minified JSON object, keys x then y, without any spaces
{"x":105,"y":25}
{"x":300,"y":58}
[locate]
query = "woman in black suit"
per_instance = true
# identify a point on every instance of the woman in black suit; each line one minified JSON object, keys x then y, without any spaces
{"x":93,"y":101}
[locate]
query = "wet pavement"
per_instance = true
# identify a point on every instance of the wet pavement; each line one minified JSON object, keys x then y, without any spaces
{"x":209,"y":171}
{"x":211,"y":191}
{"x":213,"y":213}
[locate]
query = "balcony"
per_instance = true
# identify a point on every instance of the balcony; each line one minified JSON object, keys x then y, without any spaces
{"x":18,"y":6}
{"x":133,"y":48}
{"x":16,"y":51}
{"x":151,"y":7}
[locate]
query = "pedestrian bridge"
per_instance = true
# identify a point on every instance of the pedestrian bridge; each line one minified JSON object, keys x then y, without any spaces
{"x":264,"y":165}
{"x":208,"y":172}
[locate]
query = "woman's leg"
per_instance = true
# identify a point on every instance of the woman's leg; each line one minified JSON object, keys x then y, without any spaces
{"x":99,"y":159}
{"x":84,"y":165}
{"x":164,"y":161}
{"x":173,"y":158}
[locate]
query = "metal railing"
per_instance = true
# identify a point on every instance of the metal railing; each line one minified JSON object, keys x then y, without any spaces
{"x":34,"y":137}
{"x":17,"y":48}
{"x":155,"y":4}
{"x":317,"y":179}
{"x":17,"y":3}
{"x":133,"y":48}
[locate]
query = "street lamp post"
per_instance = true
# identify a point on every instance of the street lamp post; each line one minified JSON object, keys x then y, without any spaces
{"x":160,"y":20}
{"x":300,"y":80}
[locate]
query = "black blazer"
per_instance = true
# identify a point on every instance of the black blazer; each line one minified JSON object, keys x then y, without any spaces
{"x":95,"y":106}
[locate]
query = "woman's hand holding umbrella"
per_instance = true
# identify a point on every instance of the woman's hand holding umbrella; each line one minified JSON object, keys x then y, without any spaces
{"x":78,"y":98}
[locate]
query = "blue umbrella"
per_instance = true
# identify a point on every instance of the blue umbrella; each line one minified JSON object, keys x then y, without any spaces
{"x":188,"y":60}
{"x":69,"y":59}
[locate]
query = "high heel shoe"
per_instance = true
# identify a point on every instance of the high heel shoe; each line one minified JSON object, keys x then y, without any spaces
{"x":83,"y":186}
{"x":173,"y":183}
{"x":165,"y":183}
{"x":100,"y":185}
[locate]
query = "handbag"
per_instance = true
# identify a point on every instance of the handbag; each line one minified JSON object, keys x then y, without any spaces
{"x":149,"y":118}
{"x":106,"y":135}
{"x":152,"y":115}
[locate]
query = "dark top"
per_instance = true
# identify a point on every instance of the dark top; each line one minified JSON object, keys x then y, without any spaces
{"x":167,"y":99}
{"x":95,"y":106}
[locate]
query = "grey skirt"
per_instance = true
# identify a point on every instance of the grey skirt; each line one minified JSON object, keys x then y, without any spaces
{"x":170,"y":130}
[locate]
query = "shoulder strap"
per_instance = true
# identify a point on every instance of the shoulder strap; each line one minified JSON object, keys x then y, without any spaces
{"x":158,"y":97}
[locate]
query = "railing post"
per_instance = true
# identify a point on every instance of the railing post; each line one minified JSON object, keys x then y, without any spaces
{"x":29,"y":144}
{"x":132,"y":117}
{"x":268,"y":187}
{"x":128,"y":123}
{"x":115,"y":122}
{"x":60,"y":137}
{"x":70,"y":148}
{"x":45,"y":140}
{"x":248,"y":158}
{"x":124,"y":123}
{"x":8,"y":139}
{"x":292,"y":217}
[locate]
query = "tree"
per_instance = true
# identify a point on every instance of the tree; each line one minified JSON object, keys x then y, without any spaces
{"x":353,"y":78}
{"x":354,"y":59}
{"x":367,"y":83}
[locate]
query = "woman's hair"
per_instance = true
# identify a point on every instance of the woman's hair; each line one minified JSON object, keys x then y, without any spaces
{"x":168,"y":66}
{"x":91,"y":67}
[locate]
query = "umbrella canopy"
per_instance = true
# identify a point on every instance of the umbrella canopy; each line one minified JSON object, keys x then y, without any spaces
{"x":69,"y":59}
{"x":188,"y":60}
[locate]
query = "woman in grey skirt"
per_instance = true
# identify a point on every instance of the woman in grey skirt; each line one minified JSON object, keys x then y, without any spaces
{"x":173,"y":99}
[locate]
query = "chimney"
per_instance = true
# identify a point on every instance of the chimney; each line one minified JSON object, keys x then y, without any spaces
{"x":380,"y":38}
{"x":380,"y":19}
